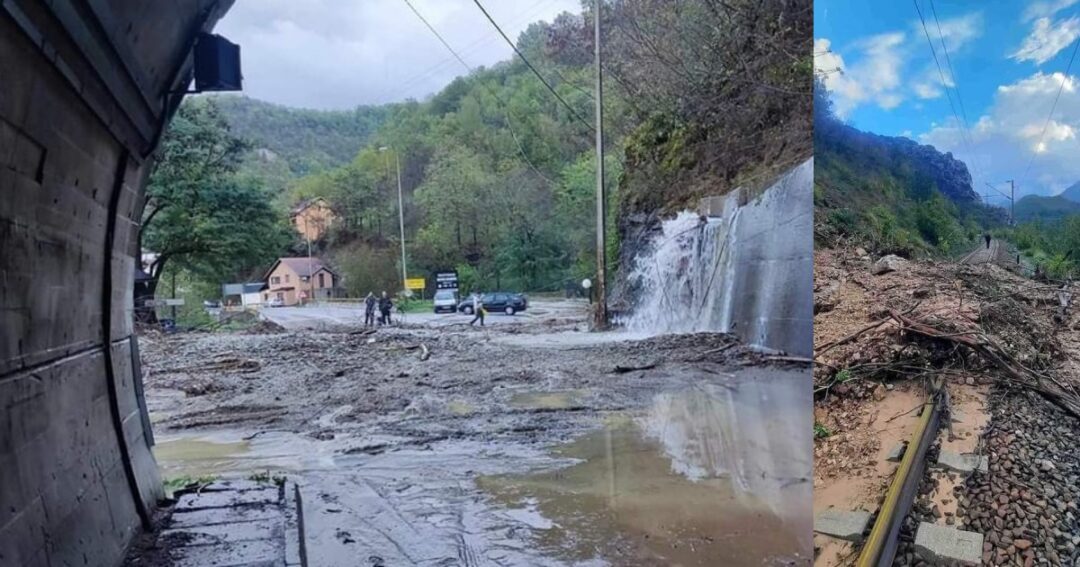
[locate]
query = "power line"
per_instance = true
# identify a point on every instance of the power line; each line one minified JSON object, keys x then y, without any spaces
{"x":403,"y":86}
{"x":506,"y":111}
{"x":956,"y":88}
{"x":531,"y":68}
{"x":952,"y":73}
{"x":1064,"y":78}
{"x":941,"y":73}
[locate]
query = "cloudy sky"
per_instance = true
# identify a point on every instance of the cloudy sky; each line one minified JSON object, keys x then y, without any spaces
{"x":1008,"y":60}
{"x":342,"y":53}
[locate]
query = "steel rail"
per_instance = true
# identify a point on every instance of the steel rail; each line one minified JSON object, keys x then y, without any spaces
{"x":880,"y":548}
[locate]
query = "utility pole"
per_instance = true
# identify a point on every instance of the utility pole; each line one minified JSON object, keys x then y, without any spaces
{"x":310,"y":276}
{"x":1012,"y":202}
{"x":401,"y":217}
{"x":1011,"y":197}
{"x":601,"y":209}
{"x":401,"y":224}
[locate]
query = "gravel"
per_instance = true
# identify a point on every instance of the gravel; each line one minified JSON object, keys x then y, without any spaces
{"x":1027,"y":505}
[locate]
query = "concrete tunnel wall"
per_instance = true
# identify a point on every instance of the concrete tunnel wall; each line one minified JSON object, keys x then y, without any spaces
{"x":83,"y":98}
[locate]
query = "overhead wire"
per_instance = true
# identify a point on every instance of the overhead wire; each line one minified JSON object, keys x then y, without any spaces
{"x":952,"y":73}
{"x":941,"y":73}
{"x":959,"y":99}
{"x":395,"y":91}
{"x":506,"y":111}
{"x":529,"y":64}
{"x":1053,"y":107}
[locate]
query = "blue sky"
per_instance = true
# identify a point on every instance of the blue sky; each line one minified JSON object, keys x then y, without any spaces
{"x":1008,"y":63}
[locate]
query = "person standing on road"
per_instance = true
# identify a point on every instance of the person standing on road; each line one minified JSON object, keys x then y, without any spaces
{"x":478,"y":310}
{"x":385,"y":306}
{"x":369,"y":309}
{"x":987,"y":237}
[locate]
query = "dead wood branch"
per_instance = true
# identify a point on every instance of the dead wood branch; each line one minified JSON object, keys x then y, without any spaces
{"x":624,"y":369}
{"x":1016,"y":373}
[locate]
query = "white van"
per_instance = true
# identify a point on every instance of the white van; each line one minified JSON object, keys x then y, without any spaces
{"x":446,"y":300}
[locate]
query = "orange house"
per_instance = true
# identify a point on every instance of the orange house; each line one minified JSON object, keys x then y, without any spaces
{"x":312,"y":218}
{"x":295,"y":280}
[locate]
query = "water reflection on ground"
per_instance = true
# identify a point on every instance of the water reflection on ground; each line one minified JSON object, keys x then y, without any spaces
{"x":711,"y":475}
{"x":709,"y":471}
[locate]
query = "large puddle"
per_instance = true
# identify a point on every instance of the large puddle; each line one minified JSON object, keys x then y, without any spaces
{"x":552,"y":400}
{"x":709,"y":472}
{"x":711,"y":475}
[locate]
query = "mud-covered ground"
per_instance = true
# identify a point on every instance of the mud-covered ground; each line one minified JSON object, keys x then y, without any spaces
{"x":873,"y":375}
{"x":535,"y":443}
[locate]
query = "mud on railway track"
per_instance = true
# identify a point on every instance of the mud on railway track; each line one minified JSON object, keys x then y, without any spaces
{"x":873,"y":367}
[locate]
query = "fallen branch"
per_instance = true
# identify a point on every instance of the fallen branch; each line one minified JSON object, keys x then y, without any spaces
{"x":363,"y":332}
{"x":1015,"y":372}
{"x":624,"y":369}
{"x":826,"y":347}
{"x":221,"y":364}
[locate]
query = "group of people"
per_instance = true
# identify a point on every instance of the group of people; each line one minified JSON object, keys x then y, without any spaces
{"x":384,"y":304}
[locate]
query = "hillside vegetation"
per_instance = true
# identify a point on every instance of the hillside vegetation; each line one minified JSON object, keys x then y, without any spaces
{"x":306,"y":140}
{"x":1039,"y":208}
{"x":891,"y":195}
{"x":499,"y":176}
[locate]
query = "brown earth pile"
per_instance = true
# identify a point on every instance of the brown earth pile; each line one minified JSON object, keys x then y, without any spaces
{"x":967,"y":322}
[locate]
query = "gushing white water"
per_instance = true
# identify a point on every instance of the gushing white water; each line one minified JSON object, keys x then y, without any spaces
{"x":747,"y":269}
{"x":684,"y":278}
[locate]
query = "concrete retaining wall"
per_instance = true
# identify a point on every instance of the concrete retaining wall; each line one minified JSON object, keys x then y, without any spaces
{"x":774,"y":263}
{"x":81,"y":107}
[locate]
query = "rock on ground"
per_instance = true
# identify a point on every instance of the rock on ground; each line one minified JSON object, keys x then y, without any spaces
{"x":886,"y":264}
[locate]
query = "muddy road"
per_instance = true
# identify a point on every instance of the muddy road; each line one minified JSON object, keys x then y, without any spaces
{"x":524,"y":443}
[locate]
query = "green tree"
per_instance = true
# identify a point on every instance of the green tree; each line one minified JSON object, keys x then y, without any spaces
{"x":200,"y":214}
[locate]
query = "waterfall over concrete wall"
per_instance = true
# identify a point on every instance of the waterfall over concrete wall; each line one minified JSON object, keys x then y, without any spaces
{"x":742,"y":267}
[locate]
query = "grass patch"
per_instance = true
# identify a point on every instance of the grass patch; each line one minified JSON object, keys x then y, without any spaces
{"x":417,"y":305}
{"x":820,"y":431}
{"x":268,"y":478}
{"x":174,"y":485}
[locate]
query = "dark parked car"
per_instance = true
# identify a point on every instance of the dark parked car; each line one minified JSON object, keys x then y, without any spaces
{"x":496,"y":302}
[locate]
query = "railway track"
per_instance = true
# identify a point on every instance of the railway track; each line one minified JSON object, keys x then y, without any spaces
{"x":880,"y":547}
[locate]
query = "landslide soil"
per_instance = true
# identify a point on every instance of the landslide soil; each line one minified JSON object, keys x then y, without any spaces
{"x":867,"y":376}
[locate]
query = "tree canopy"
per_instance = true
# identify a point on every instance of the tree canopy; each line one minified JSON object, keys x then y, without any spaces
{"x":200,"y":214}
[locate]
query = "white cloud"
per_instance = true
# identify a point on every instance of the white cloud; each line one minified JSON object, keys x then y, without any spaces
{"x":927,"y":90}
{"x":957,"y":32}
{"x":1046,"y":39}
{"x":338,"y":54}
{"x":1045,"y":9}
{"x":876,"y":73}
{"x":1010,"y":136}
{"x":874,"y":78}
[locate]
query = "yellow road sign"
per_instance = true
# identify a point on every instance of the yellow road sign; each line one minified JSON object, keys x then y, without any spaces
{"x":414,"y":283}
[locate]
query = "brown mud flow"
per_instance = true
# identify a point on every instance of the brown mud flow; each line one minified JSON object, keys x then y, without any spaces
{"x":544,"y":458}
{"x":1004,"y":465}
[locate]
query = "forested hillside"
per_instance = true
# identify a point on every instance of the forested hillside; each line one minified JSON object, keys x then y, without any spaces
{"x":499,"y":174}
{"x":891,"y":195}
{"x":1039,"y":208}
{"x":307,"y":140}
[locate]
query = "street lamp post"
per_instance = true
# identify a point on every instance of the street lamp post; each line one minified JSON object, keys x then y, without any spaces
{"x":401,"y":219}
